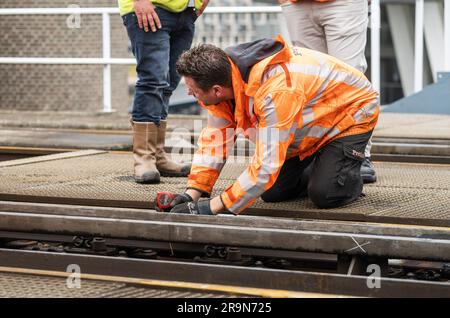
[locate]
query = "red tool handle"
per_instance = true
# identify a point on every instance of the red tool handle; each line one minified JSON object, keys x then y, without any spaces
{"x":163,"y":200}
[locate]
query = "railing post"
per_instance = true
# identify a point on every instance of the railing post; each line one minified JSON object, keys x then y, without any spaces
{"x":106,"y":40}
{"x":447,"y":35}
{"x":375,"y":44}
{"x":418,"y":47}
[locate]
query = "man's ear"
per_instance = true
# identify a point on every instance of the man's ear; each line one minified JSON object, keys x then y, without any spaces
{"x":218,"y":91}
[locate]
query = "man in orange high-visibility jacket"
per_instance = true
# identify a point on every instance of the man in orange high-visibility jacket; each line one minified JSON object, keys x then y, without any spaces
{"x":309,"y":114}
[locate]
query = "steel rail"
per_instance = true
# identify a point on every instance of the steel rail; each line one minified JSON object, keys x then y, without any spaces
{"x":385,"y":246}
{"x":174,"y":249}
{"x":419,"y":150}
{"x":318,"y":261}
{"x":343,"y":215}
{"x":193,"y":136}
{"x":225,"y":275}
{"x":417,"y":231}
{"x":425,"y":159}
{"x":376,"y":155}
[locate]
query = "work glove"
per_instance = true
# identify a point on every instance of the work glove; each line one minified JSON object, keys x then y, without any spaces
{"x":180,"y":198}
{"x":165,"y":201}
{"x":200,"y":207}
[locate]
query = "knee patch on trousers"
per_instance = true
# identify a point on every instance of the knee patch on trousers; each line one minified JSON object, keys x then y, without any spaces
{"x":344,"y":186}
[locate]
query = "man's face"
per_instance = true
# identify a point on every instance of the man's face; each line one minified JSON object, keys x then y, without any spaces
{"x":209,"y":97}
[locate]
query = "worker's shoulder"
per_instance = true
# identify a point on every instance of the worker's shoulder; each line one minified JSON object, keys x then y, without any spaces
{"x":279,"y":98}
{"x":279,"y":86}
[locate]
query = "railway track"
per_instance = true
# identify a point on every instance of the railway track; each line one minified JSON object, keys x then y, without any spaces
{"x":392,"y":149}
{"x":326,"y":258}
{"x":276,"y":256}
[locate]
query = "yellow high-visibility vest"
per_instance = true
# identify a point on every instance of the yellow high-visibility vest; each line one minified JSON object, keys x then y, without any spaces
{"x":126,"y":6}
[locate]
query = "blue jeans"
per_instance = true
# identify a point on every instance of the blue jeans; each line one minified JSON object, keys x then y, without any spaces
{"x":156,"y":55}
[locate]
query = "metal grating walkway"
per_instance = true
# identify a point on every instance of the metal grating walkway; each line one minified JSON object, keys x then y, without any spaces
{"x":404,"y":193}
{"x":33,"y":286}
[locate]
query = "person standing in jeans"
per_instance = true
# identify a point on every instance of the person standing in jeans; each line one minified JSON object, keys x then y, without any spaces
{"x":159,"y":31}
{"x":337,"y":28}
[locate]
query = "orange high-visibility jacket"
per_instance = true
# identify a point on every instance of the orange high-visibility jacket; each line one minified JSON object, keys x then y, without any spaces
{"x":291,"y":101}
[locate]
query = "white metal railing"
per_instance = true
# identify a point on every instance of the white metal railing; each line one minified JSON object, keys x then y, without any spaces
{"x":418,"y":42}
{"x":447,"y":34}
{"x":107,"y":61}
{"x":375,"y":28}
{"x":418,"y":47}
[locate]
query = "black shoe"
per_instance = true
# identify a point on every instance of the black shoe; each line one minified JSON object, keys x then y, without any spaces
{"x":368,"y":174}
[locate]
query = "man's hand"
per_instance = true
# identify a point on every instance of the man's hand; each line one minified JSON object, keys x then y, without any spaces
{"x":200,"y":208}
{"x":146,"y":15}
{"x":202,"y":8}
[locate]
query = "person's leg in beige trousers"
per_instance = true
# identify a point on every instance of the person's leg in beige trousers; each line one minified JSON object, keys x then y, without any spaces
{"x":337,"y":28}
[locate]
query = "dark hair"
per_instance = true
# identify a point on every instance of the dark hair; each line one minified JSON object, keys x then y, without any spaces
{"x":207,"y":65}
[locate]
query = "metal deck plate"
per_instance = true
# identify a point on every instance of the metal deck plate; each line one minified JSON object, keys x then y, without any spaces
{"x":34,"y":286}
{"x":404,"y":193}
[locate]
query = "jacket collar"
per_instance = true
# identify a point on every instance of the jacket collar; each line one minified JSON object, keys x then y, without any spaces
{"x":243,"y":90}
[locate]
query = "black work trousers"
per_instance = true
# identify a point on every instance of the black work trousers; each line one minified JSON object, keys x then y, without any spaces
{"x":330,"y":177}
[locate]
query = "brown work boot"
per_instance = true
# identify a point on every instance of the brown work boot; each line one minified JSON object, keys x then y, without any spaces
{"x":166,"y":167}
{"x":144,"y":152}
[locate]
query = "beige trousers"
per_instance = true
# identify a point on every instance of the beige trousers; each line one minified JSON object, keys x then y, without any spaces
{"x":337,"y":28}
